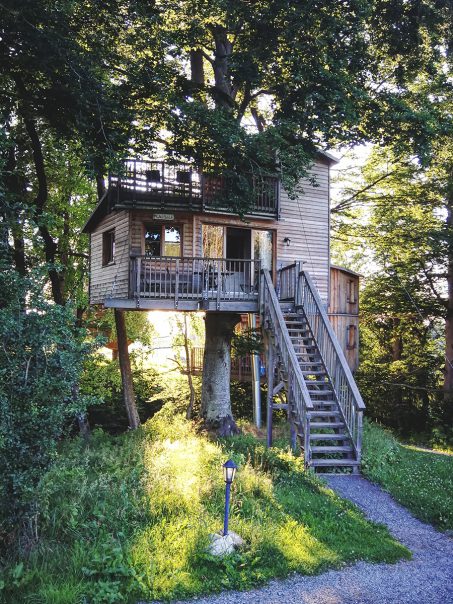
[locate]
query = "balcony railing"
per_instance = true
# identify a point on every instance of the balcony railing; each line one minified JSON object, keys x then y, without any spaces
{"x":203,"y":279}
{"x":164,"y":185}
{"x":241,"y":367}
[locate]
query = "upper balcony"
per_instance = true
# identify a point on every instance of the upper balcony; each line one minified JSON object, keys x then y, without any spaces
{"x":180,"y":186}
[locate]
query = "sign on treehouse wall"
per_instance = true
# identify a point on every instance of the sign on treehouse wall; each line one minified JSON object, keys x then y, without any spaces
{"x":163,"y":216}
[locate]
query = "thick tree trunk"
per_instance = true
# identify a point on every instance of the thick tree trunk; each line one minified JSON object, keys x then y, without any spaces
{"x":448,"y":380}
{"x":215,"y":392}
{"x":126,"y":373}
{"x":196,"y":67}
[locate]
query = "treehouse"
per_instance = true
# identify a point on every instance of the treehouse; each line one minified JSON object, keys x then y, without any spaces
{"x":163,"y":237}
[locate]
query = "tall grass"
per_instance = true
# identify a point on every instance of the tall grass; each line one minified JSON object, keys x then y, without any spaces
{"x":128,"y":518}
{"x":420,"y":480}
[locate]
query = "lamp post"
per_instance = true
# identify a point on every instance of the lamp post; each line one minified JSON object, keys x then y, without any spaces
{"x":229,"y":471}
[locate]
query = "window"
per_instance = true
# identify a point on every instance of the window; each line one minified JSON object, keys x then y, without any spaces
{"x":351,"y":337}
{"x":352,"y":293}
{"x":263,"y":248}
{"x":162,"y":240}
{"x":108,"y":247}
{"x":213,"y":241}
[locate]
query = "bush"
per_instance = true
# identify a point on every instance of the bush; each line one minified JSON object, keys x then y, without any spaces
{"x":40,"y":362}
{"x":101,"y":378}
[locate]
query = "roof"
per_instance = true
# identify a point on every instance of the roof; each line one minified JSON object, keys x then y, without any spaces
{"x":345,"y":270}
{"x":101,"y":210}
{"x":329,"y":156}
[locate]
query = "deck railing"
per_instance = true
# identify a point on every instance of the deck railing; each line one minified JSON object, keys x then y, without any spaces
{"x":287,"y":281}
{"x":178,"y":184}
{"x":298,"y":393}
{"x":195,"y":278}
{"x":241,"y":366}
{"x":346,"y":391}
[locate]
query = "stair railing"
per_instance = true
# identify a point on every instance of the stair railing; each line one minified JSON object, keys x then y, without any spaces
{"x":346,"y":391}
{"x":297,"y":391}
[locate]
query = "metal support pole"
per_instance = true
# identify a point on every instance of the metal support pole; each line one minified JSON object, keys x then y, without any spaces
{"x":256,"y":390}
{"x":270,"y":390}
{"x":227,"y":509}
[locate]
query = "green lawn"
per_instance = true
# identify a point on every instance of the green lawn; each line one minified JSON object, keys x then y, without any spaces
{"x":128,"y":518}
{"x":420,"y":480}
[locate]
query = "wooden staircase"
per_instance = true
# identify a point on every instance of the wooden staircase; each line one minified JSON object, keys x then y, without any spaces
{"x":330,"y":443}
{"x":309,"y":374}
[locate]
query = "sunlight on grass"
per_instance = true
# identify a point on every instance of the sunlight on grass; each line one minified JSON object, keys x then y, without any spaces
{"x":128,"y":518}
{"x":420,"y":480}
{"x":300,"y":548}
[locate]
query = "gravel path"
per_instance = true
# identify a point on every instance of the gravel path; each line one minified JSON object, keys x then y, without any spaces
{"x":426,"y":579}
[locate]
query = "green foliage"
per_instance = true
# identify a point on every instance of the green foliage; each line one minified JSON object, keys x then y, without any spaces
{"x":40,"y":363}
{"x":420,"y":480}
{"x":129,"y":519}
{"x":249,"y":341}
{"x":101,"y":378}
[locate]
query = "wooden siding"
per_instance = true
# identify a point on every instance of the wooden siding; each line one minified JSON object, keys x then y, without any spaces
{"x":344,"y":312}
{"x":111,"y":280}
{"x":341,"y":325}
{"x":344,"y":291}
{"x":141,"y":217}
{"x":305,"y":220}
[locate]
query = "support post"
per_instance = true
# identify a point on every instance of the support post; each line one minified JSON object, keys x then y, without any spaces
{"x":270,"y":389}
{"x":256,"y":390}
{"x":125,"y":367}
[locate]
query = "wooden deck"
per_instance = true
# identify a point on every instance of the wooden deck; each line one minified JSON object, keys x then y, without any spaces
{"x":180,"y":186}
{"x":169,"y":283}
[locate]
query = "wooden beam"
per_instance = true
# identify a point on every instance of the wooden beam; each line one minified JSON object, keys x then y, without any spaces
{"x":126,"y":373}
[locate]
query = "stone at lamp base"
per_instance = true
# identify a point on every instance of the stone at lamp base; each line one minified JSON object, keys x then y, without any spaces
{"x":222,"y":545}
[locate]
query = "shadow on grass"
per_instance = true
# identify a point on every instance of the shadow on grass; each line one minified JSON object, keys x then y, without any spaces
{"x":128,"y":518}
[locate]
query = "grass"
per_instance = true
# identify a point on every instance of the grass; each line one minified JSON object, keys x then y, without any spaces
{"x":420,"y":480}
{"x":128,"y":518}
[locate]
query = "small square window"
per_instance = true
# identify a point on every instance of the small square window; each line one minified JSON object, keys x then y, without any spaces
{"x":108,"y":247}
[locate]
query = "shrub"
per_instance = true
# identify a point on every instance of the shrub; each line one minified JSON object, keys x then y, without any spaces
{"x":40,"y":363}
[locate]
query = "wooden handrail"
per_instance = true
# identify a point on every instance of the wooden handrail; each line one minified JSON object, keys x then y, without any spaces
{"x":334,"y":341}
{"x":296,"y":388}
{"x":345,"y":389}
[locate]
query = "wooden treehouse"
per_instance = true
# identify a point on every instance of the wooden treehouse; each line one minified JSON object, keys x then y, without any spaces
{"x":160,"y":239}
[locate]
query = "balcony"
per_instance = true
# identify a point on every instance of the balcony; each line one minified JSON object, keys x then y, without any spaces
{"x":169,"y":283}
{"x":180,"y":186}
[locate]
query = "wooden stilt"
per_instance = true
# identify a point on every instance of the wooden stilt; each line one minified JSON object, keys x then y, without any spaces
{"x":270,"y":390}
{"x":126,"y":373}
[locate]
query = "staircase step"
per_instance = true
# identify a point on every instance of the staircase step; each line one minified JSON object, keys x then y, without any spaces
{"x":332,"y":449}
{"x":334,"y":462}
{"x":324,"y":413}
{"x":316,"y":382}
{"x":327,"y":425}
{"x":317,"y":372}
{"x":319,"y":436}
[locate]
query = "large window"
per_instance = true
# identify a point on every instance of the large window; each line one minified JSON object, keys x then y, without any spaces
{"x":162,"y":240}
{"x":108,"y":247}
{"x":229,"y":242}
{"x":263,"y":248}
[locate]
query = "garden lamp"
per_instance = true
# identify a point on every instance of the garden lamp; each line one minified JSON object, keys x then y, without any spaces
{"x":229,"y":471}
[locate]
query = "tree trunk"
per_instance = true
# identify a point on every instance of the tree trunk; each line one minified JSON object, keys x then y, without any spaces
{"x":448,"y":380}
{"x":196,"y":67}
{"x":215,"y":392}
{"x":126,"y":373}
